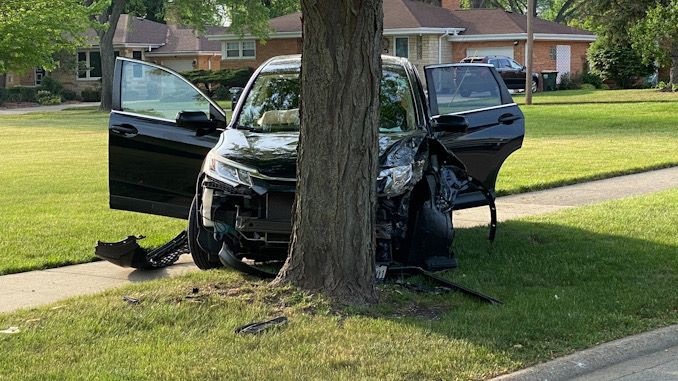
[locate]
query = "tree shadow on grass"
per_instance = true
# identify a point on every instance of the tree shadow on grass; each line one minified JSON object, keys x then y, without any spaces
{"x":563,"y":289}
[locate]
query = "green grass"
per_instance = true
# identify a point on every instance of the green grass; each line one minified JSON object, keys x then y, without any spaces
{"x":630,"y":131}
{"x":54,"y":192}
{"x":569,"y":280}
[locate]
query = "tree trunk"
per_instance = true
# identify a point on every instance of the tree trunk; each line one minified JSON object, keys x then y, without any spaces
{"x":108,"y":54}
{"x":333,"y":246}
{"x":673,"y":74}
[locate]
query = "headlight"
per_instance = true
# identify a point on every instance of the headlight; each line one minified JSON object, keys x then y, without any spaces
{"x":227,"y":171}
{"x":394,"y":181}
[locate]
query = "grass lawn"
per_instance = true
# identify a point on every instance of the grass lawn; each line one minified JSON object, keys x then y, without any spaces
{"x":611,"y":133}
{"x":569,"y":280}
{"x":54,"y":192}
{"x":54,"y":186}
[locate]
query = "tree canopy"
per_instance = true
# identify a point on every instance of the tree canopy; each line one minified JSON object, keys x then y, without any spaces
{"x":655,"y":37}
{"x":31,"y":32}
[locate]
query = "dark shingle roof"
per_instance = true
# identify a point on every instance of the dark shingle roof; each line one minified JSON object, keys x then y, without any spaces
{"x":499,"y":21}
{"x":403,"y":14}
{"x":171,"y":38}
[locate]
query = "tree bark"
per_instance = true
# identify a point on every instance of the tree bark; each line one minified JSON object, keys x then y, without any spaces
{"x":332,"y":249}
{"x":107,"y":53}
{"x":673,"y":73}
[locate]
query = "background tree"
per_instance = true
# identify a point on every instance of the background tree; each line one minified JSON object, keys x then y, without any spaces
{"x":613,"y":55}
{"x":246,"y":15}
{"x":33,"y":32}
{"x":655,"y":37}
{"x":333,"y":247}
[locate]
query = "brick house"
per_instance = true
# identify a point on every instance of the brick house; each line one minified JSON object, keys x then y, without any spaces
{"x":169,"y":45}
{"x":427,"y":34}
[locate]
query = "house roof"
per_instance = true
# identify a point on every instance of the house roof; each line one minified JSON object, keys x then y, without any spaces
{"x":398,"y":14}
{"x":499,"y":21}
{"x":183,"y":39}
{"x":136,"y":31}
{"x":401,"y":15}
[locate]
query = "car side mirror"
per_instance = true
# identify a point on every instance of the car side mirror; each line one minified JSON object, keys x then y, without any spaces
{"x":196,"y":120}
{"x":450,"y":123}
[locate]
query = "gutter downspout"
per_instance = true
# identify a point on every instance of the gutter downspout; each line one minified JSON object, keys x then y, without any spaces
{"x":440,"y":46}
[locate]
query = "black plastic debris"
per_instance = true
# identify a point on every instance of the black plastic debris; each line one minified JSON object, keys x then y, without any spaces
{"x":130,"y":300}
{"x":416,"y":287}
{"x":253,"y":328}
{"x":401,"y":271}
{"x":128,"y":253}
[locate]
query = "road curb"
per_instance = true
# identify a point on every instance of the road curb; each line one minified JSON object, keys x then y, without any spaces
{"x":599,"y":357}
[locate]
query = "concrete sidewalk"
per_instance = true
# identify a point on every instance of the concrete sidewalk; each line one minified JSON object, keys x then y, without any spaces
{"x":28,"y":110}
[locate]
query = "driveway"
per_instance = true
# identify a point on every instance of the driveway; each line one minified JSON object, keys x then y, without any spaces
{"x":27,"y":110}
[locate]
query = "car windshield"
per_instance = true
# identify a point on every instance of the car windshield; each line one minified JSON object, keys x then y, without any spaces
{"x":272,"y":105}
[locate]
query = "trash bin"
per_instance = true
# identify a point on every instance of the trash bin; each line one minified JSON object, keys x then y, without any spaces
{"x":548,"y":80}
{"x":236,"y":92}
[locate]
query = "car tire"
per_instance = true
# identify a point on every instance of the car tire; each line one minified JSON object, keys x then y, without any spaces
{"x":535,"y":85}
{"x":465,"y":93}
{"x":200,"y":256}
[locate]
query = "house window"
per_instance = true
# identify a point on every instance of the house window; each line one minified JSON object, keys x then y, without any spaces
{"x":137,"y":72}
{"x":89,"y":64}
{"x":39,"y":74}
{"x":240,"y":50}
{"x":402,"y":47}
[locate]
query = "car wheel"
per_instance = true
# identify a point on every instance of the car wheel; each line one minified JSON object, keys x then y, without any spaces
{"x":465,"y":93}
{"x":535,"y":85}
{"x":200,"y":256}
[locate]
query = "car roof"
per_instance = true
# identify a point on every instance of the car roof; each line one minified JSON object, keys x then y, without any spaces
{"x":294,"y":61}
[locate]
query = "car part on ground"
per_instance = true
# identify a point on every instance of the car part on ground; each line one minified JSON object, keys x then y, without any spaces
{"x":128,"y":253}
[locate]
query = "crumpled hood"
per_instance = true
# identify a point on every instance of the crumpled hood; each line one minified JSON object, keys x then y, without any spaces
{"x":274,"y":154}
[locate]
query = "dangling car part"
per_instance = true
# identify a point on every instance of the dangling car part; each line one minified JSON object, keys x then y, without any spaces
{"x":171,"y":153}
{"x":128,"y":253}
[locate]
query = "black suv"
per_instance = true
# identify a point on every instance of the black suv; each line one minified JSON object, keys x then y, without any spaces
{"x":172,"y":153}
{"x":510,"y":71}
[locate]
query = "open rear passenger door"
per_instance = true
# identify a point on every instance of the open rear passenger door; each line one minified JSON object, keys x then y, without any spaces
{"x":160,"y":129}
{"x":496,"y":124}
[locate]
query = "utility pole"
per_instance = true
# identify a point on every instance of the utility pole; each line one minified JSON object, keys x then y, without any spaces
{"x":530,"y":46}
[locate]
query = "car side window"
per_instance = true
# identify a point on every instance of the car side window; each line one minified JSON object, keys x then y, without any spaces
{"x":504,"y":64}
{"x":515,"y":65}
{"x":157,"y":93}
{"x":457,"y":89}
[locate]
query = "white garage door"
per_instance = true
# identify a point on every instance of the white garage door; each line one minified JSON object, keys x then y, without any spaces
{"x":179,"y":65}
{"x":482,"y":52}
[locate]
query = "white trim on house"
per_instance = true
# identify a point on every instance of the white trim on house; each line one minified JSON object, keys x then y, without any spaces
{"x":171,"y":54}
{"x":522,"y":36}
{"x":387,"y":32}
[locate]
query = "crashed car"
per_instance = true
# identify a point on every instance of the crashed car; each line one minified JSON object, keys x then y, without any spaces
{"x":172,"y":153}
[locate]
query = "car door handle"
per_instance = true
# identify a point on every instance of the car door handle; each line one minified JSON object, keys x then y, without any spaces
{"x":508,"y":118}
{"x":124,"y":129}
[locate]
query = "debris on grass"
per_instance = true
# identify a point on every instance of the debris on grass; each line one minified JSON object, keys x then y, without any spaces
{"x":254,"y":328}
{"x":11,"y":330}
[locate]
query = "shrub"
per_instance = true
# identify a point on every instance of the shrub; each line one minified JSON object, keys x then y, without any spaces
{"x":44,"y":97}
{"x":674,"y":87}
{"x":68,"y":95}
{"x":617,"y":61}
{"x":4,"y":95}
{"x":604,"y":86}
{"x":211,"y":80}
{"x":52,"y":85}
{"x":569,"y":82}
{"x":662,"y":85}
{"x":591,"y":79}
{"x":91,"y":95}
{"x":588,"y":86}
{"x":222,"y":94}
{"x":22,"y":94}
